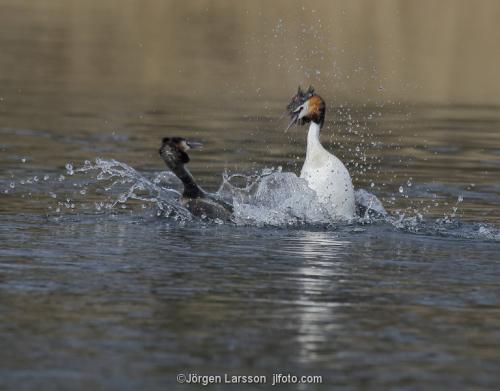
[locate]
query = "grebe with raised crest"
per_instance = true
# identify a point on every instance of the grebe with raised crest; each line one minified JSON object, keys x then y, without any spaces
{"x":324,"y":172}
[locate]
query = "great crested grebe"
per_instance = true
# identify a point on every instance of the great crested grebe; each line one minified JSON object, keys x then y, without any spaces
{"x":324,"y":172}
{"x":199,"y":202}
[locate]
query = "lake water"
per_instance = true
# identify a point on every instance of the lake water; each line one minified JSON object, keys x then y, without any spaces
{"x":106,"y":283}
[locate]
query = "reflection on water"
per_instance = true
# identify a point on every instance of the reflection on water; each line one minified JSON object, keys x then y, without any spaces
{"x":321,"y":253}
{"x":99,"y":292}
{"x":140,"y":300}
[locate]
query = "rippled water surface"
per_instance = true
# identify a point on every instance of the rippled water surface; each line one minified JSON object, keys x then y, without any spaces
{"x":106,"y":283}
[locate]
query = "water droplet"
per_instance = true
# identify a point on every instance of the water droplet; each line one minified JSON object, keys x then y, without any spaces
{"x":23,"y":160}
{"x":69,"y":169}
{"x":401,"y":189}
{"x":45,"y":177}
{"x":372,"y":184}
{"x":12,"y":185}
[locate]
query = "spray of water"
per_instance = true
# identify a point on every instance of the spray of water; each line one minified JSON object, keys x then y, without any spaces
{"x":268,"y":198}
{"x":123,"y":185}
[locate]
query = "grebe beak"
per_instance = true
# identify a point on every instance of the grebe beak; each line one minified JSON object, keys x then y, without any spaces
{"x":292,"y":122}
{"x":194,"y":144}
{"x":295,"y":117}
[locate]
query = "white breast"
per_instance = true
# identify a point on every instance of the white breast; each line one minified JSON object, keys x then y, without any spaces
{"x":328,"y":177}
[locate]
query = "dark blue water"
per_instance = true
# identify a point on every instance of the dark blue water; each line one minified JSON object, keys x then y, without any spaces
{"x":122,"y":302}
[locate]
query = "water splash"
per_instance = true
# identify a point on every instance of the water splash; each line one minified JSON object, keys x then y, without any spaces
{"x":267,"y":198}
{"x":444,"y":227}
{"x":124,"y":184}
{"x":273,"y":198}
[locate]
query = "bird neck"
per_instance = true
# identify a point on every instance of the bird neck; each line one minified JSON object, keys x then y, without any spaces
{"x":313,"y":143}
{"x":191,"y":189}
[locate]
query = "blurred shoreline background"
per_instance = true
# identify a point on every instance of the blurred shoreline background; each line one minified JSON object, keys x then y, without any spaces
{"x":427,"y":52}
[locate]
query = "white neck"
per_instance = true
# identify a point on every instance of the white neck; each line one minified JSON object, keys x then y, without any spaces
{"x":313,"y":142}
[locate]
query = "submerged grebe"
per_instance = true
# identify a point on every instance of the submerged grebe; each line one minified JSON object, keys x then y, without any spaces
{"x":194,"y":198}
{"x":324,"y":172}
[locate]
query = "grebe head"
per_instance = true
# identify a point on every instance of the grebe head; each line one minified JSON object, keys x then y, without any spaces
{"x":174,"y":150}
{"x":306,"y":106}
